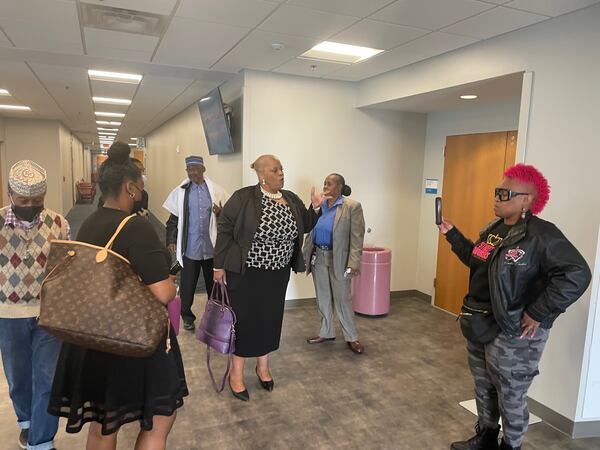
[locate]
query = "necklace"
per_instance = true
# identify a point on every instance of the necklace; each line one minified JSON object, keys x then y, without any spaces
{"x":270,"y":195}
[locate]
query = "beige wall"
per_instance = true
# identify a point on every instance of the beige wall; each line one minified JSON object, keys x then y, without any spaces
{"x":314,"y":128}
{"x":562,"y":141}
{"x":37,"y":140}
{"x":166,"y":149}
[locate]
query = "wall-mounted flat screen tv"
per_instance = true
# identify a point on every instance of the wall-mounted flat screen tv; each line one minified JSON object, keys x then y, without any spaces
{"x":216,"y":123}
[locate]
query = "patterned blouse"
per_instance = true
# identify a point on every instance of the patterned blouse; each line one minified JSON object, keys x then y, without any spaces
{"x":273,"y":244}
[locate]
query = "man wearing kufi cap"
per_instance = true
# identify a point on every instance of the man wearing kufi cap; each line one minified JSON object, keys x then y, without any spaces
{"x":192,"y":230}
{"x":29,"y":354}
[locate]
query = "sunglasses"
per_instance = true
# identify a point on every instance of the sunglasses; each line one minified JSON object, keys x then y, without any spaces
{"x":505,"y":195}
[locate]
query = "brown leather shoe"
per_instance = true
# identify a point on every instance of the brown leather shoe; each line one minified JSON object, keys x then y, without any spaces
{"x":318,"y":340}
{"x":356,"y":347}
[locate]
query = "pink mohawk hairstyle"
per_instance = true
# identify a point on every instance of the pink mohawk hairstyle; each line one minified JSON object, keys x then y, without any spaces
{"x":530,"y":175}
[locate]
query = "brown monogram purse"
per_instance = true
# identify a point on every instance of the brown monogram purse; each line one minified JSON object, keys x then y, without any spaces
{"x":91,"y":297}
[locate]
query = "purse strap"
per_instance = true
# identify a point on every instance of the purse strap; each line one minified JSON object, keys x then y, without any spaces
{"x":227,"y":370}
{"x":110,"y":242}
{"x":219,"y":288}
{"x":103,"y":254}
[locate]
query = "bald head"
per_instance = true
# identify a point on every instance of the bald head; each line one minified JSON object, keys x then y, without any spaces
{"x":269,"y":171}
{"x":263,"y":162}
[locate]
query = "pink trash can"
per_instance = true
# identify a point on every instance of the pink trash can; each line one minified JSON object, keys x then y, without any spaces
{"x":371,"y":288}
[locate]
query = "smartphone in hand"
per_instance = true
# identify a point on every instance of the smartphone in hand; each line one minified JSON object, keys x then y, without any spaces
{"x":175,"y":268}
{"x":438,"y":210}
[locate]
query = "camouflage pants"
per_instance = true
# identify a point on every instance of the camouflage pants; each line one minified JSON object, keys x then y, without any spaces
{"x":503,"y":371}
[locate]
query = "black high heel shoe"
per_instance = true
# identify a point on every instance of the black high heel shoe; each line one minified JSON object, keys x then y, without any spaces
{"x":243,"y":396}
{"x":266,"y":385}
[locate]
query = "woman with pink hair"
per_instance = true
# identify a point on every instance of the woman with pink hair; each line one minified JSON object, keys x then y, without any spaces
{"x":523,"y":273}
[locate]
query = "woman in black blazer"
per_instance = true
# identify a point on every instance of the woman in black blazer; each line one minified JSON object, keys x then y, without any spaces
{"x":260,"y":234}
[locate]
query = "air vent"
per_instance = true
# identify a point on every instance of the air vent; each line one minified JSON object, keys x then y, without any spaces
{"x":123,"y":20}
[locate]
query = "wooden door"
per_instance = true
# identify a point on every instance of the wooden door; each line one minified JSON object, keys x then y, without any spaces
{"x":473,"y":167}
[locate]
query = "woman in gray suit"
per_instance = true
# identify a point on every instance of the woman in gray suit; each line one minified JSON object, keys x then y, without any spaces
{"x":334,"y":249}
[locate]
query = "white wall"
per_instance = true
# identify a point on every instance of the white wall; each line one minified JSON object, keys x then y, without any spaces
{"x":66,"y":163}
{"x":562,"y":141}
{"x":314,"y":128}
{"x":489,"y":118}
{"x":165,"y":167}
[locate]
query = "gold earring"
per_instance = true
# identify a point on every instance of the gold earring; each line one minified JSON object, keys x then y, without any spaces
{"x":132,"y":195}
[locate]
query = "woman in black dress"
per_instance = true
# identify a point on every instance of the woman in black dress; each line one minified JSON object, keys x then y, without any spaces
{"x":110,"y":390}
{"x":260,"y":234}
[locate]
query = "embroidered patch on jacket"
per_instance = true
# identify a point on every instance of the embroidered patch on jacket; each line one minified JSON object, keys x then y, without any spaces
{"x":514,"y":255}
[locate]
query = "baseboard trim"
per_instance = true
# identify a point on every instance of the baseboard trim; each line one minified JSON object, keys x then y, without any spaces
{"x":412,"y":293}
{"x":563,"y":424}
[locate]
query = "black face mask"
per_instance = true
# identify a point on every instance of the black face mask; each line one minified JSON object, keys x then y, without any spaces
{"x":27,"y":213}
{"x":137,"y":207}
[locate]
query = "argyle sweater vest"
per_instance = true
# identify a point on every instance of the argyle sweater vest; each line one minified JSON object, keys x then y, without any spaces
{"x":23,"y":257}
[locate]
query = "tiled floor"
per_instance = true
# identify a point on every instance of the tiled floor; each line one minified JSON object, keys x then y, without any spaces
{"x":402,"y":394}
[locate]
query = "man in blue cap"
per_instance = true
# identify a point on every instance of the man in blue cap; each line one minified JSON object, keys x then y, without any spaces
{"x":192,"y":231}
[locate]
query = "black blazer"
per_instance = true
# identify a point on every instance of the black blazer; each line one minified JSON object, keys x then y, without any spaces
{"x":239,"y":221}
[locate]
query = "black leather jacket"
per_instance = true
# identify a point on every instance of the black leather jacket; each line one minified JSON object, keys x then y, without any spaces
{"x":173,"y":221}
{"x":535,"y":269}
{"x":239,"y":221}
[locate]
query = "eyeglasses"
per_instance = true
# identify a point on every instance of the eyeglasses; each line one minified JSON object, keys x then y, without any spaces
{"x":505,"y":195}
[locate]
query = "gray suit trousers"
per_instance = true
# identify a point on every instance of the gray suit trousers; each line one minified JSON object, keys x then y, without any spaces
{"x":331,"y":293}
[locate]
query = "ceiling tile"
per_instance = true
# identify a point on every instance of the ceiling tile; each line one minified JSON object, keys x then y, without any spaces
{"x":119,"y":45}
{"x":27,"y":90}
{"x":154,"y":94}
{"x":306,"y":22}
{"x":4,"y":42}
{"x":307,"y":68}
{"x":551,"y":8}
{"x":255,"y":51}
{"x":238,"y":13}
{"x":50,"y":25}
{"x":422,"y":48}
{"x":162,"y":7}
{"x":357,"y":8}
{"x":375,"y":34}
{"x":430,"y":14}
{"x":70,"y":88}
{"x":196,"y":44}
{"x":494,"y":22}
{"x":191,"y":95}
{"x":112,"y":90}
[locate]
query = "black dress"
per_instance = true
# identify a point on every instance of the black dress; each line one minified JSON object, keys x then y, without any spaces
{"x":110,"y":389}
{"x":258,"y":295}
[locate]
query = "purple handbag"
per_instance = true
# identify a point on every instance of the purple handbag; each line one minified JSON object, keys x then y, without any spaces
{"x":217,"y":329}
{"x":174,"y":310}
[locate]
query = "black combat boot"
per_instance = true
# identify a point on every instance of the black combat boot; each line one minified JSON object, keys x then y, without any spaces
{"x":505,"y":446}
{"x":484,"y":439}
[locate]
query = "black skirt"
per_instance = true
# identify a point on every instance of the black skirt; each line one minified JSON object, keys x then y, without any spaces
{"x":258,"y":298}
{"x":93,"y":386}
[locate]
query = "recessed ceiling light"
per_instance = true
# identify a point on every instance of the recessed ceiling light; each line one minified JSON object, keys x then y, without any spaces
{"x":107,"y":129}
{"x":340,"y":53}
{"x":109,"y":114}
{"x":100,"y":75}
{"x":106,"y":133}
{"x":468,"y":97}
{"x":105,"y":122}
{"x":133,"y":145}
{"x":111,"y":101}
{"x":15,"y":107}
{"x":133,"y":139}
{"x":4,"y":92}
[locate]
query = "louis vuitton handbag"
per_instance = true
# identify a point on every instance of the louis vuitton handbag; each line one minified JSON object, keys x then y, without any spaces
{"x":92,"y":298}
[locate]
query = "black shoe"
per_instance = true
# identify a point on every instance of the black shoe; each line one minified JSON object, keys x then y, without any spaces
{"x":266,"y":385}
{"x":243,"y":396}
{"x":23,"y":438}
{"x":188,"y":325}
{"x":484,"y":439}
{"x":505,"y":446}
